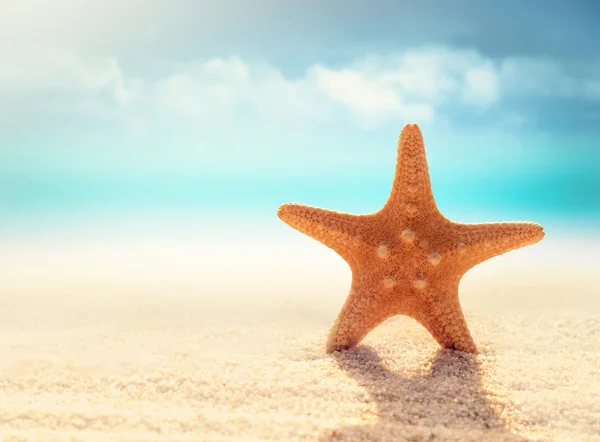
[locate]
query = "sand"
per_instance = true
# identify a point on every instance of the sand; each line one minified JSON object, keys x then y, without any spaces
{"x":193,"y":340}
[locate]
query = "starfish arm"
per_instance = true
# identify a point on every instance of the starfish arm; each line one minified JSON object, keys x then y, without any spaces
{"x":363,"y":310}
{"x":338,"y":231}
{"x":411,"y":193}
{"x":444,"y":320}
{"x":475,"y":243}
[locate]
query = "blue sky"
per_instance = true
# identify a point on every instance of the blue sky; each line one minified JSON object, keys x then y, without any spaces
{"x":120,"y":106}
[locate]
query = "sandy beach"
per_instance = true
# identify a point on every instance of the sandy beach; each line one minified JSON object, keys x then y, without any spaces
{"x":185,"y":340}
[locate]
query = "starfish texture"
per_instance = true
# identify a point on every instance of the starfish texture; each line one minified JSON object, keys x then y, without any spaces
{"x":407,"y":258}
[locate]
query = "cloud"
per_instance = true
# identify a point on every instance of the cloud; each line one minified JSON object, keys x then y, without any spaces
{"x":482,"y":86}
{"x":374,"y":91}
{"x":201,"y":97}
{"x":219,"y":90}
{"x":369,"y":98}
{"x":42,"y":84}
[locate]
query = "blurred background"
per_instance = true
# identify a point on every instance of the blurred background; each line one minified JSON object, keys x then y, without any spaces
{"x":151,"y":142}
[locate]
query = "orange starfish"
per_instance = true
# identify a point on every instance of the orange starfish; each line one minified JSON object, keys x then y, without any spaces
{"x":407,"y":258}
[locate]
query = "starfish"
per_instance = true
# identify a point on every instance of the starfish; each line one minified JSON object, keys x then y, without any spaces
{"x":407,"y":258}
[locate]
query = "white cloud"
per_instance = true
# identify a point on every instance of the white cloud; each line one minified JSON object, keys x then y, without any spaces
{"x":370,"y":98}
{"x":482,"y":86}
{"x":223,"y":90}
{"x":415,"y":85}
{"x":410,"y":86}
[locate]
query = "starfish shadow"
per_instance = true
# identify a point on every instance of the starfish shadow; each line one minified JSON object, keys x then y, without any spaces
{"x":448,"y":402}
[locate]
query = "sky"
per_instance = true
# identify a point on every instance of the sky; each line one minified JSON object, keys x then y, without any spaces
{"x":112,"y":108}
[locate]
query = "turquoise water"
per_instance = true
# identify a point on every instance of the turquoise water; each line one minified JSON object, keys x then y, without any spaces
{"x":543,"y":198}
{"x":475,"y":178}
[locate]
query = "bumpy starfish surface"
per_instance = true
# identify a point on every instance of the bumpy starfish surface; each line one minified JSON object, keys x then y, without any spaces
{"x":407,"y":258}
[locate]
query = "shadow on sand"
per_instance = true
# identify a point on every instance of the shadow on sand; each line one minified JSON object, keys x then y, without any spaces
{"x":448,"y":402}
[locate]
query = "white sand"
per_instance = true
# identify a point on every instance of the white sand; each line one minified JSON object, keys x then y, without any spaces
{"x":182,"y":340}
